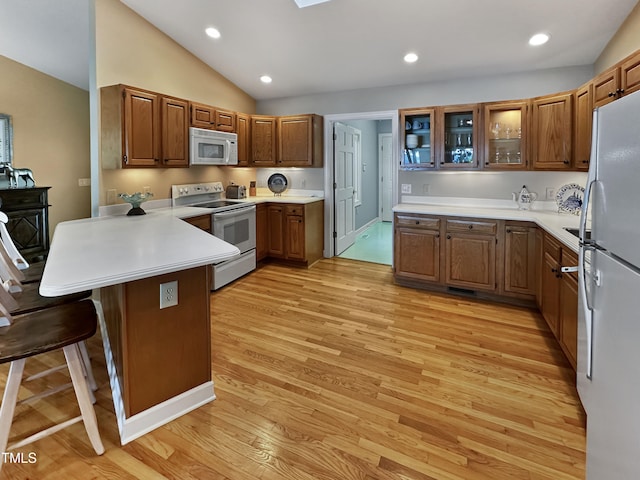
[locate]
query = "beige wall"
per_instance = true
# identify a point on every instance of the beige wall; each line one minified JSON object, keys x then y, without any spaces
{"x":131,"y":51}
{"x":51,"y":135}
{"x":624,"y":42}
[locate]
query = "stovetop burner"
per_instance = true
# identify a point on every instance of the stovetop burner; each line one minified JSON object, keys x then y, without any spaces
{"x":204,"y":195}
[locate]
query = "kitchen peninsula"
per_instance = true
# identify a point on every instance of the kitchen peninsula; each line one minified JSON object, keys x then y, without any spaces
{"x":153,"y":282}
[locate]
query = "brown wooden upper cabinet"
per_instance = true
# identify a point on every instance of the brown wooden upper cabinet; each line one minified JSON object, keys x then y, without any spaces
{"x":621,"y":79}
{"x":457,"y":139}
{"x":506,"y":135}
{"x":582,"y":126}
{"x":202,"y":116}
{"x":551,"y":119}
{"x":140,"y":128}
{"x":243,"y":129}
{"x":417,"y":142}
{"x":288,"y":141}
{"x":264,"y":142}
{"x":206,"y":116}
{"x":300,"y":141}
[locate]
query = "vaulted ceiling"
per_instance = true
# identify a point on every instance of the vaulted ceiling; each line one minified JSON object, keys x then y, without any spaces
{"x":332,"y":46}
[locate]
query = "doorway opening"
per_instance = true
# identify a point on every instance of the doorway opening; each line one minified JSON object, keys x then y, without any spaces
{"x":360,"y":178}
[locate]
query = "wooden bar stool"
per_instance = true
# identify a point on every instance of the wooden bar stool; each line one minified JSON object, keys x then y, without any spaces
{"x":60,"y":327}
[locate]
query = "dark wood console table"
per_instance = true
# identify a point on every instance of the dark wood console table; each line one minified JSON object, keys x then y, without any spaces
{"x":28,"y":212}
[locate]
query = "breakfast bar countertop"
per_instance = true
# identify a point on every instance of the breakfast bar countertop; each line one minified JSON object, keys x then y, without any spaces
{"x":102,"y":251}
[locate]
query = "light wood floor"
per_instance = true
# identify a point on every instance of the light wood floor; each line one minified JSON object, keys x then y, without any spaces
{"x":336,"y":373}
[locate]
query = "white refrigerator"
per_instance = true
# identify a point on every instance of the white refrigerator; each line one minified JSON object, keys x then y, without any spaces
{"x":608,"y":373}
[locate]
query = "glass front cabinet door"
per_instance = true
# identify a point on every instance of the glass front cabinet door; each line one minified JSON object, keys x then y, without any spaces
{"x":458,"y":136}
{"x":417,"y":141}
{"x":506,"y":133}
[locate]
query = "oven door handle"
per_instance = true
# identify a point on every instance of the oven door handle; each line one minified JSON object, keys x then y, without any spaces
{"x":235,"y":212}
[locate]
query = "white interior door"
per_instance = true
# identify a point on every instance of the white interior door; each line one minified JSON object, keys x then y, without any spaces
{"x":385,"y":161}
{"x":344,"y":138}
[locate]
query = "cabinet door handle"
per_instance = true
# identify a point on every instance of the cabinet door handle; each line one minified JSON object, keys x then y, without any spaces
{"x":554,"y":270}
{"x":508,"y":230}
{"x":470,"y":227}
{"x":417,"y":222}
{"x":437,"y":235}
{"x":566,"y":162}
{"x":612,"y":94}
{"x":448,"y":237}
{"x":620,"y":91}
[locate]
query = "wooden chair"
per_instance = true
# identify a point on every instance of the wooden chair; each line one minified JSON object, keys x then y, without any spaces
{"x":61,"y":327}
{"x":28,"y":299}
{"x":29,"y":272}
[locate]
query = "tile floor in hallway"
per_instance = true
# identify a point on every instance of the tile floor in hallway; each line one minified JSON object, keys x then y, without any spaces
{"x":374,"y":245}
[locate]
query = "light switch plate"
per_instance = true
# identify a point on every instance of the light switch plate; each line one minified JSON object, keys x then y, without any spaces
{"x":168,"y":294}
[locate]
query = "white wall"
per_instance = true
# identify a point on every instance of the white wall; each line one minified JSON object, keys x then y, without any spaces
{"x":487,"y":185}
{"x":470,"y":90}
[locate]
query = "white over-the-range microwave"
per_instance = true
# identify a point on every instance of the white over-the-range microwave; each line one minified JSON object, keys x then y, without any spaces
{"x":211,"y":147}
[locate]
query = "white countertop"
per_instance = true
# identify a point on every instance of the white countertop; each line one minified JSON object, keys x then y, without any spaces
{"x":103,"y":251}
{"x":552,"y":222}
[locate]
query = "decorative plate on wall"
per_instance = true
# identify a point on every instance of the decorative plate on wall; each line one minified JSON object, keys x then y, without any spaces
{"x":569,"y":198}
{"x":277,"y":183}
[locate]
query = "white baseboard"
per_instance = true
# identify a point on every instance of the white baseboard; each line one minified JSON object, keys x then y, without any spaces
{"x":367,"y":225}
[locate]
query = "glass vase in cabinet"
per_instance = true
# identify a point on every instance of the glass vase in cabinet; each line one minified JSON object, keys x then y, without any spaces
{"x":416,"y":142}
{"x":506,"y":133}
{"x":458,"y":144}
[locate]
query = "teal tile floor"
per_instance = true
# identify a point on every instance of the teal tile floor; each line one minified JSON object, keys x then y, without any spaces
{"x":373,"y":245}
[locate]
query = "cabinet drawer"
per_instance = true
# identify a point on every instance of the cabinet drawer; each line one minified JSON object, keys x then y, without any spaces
{"x":294,"y":210}
{"x":552,"y":247}
{"x":471,"y":226}
{"x":418,"y":221}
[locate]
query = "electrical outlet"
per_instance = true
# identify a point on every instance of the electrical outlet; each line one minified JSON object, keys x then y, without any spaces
{"x":146,"y":189}
{"x":84,"y":182}
{"x":551,"y":193}
{"x":425,"y":188}
{"x":406,"y":188}
{"x":168,"y":294}
{"x":111,"y":196}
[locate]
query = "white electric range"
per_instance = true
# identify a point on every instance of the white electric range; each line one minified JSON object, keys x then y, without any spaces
{"x":233,"y":221}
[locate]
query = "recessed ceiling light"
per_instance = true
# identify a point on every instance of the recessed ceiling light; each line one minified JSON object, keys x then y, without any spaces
{"x":411,"y":57}
{"x":539,"y":39}
{"x":266,"y":79}
{"x":213,"y":32}
{"x":308,"y":3}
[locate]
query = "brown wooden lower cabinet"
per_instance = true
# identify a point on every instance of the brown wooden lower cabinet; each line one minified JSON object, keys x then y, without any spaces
{"x":520,"y":259}
{"x":291,"y":232}
{"x":568,"y":315}
{"x":509,"y":261}
{"x":262,"y":241}
{"x":417,"y":247}
{"x":551,"y":292}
